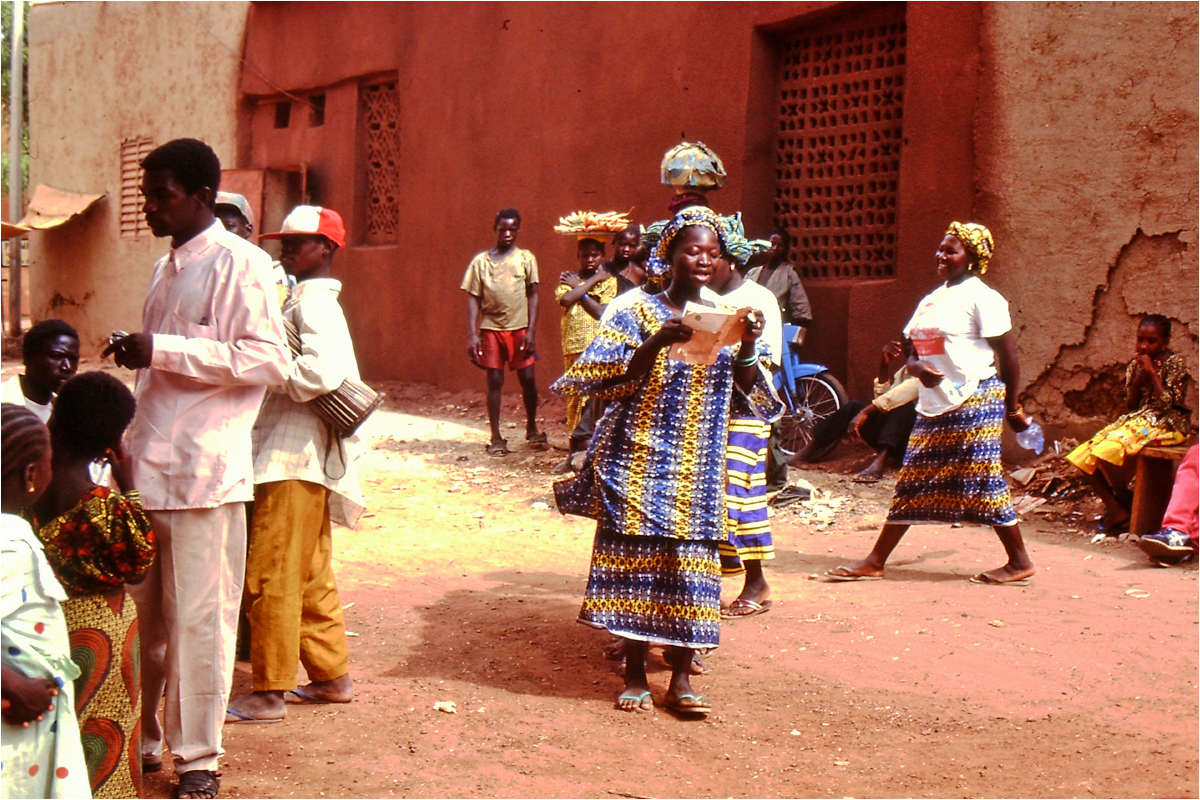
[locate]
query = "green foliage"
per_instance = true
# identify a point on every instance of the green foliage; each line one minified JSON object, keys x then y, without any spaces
{"x":6,"y":17}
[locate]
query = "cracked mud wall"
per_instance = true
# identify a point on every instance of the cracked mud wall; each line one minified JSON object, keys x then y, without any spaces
{"x":1086,"y":142}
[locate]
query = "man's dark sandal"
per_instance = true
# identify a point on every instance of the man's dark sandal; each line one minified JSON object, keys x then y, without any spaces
{"x":202,"y":782}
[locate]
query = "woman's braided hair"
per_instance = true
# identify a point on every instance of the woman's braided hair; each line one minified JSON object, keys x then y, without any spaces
{"x":23,"y":438}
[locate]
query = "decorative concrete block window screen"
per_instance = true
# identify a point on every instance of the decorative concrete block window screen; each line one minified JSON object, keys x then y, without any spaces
{"x":133,"y":220}
{"x":841,"y":93}
{"x":379,"y":110}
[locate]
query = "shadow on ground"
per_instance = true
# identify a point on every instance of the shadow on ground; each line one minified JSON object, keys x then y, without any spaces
{"x":519,"y":636}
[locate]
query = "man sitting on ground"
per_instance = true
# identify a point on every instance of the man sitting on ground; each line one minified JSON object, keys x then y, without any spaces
{"x":884,"y":423}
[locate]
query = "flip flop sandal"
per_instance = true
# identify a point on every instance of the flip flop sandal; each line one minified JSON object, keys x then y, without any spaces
{"x":829,"y":575}
{"x":983,"y":580}
{"x":240,"y":717}
{"x":755,"y":608}
{"x":641,"y":698}
{"x":151,"y":766}
{"x":299,"y":697}
{"x":699,"y":705}
{"x":497,"y":449}
{"x":867,"y":478}
{"x":538,"y":441}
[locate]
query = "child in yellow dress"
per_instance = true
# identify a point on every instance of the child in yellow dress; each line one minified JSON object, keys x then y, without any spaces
{"x":1156,"y":383}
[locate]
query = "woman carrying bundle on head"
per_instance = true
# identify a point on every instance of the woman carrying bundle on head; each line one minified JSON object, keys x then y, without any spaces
{"x":42,"y":754}
{"x":653,"y":478}
{"x":961,"y":349}
{"x":97,"y":541}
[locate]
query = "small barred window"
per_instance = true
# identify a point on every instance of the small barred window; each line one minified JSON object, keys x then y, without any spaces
{"x":133,"y":219}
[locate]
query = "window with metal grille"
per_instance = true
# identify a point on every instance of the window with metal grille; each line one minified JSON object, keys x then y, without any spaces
{"x":380,"y":122}
{"x":133,"y":220}
{"x":841,"y":103}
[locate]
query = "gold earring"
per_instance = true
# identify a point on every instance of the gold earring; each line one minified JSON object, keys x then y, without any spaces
{"x":32,"y":489}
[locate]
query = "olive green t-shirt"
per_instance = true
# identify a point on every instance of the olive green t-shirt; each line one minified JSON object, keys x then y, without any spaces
{"x":500,"y":287}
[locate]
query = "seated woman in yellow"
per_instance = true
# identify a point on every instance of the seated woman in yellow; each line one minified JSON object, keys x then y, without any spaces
{"x":1155,"y":392}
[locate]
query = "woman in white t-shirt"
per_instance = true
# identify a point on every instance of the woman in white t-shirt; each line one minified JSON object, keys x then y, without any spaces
{"x":961,"y":349}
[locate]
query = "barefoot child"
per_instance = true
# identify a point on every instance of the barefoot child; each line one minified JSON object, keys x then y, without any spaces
{"x":583,"y":295}
{"x":1155,"y":392}
{"x":502,"y":312}
{"x":42,"y":754}
{"x":304,"y":477}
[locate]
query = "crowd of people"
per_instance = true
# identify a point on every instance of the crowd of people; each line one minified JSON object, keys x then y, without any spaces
{"x":137,"y":525}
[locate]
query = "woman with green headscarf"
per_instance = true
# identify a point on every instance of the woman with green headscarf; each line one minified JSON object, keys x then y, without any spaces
{"x":961,"y":349}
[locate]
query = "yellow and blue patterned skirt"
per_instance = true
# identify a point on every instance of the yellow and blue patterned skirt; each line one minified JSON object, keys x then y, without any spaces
{"x":654,"y":589}
{"x":952,"y":471}
{"x":747,"y":520}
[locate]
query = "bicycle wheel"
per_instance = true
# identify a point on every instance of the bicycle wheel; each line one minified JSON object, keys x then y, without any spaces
{"x":817,"y":396}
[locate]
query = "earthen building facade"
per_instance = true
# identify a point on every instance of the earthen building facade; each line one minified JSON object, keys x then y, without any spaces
{"x":1069,"y":128}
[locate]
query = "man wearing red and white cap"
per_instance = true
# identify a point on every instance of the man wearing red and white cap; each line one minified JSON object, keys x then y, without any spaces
{"x":304,"y":477}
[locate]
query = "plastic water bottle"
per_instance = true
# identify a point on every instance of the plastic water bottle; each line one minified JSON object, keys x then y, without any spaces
{"x":1032,"y":438}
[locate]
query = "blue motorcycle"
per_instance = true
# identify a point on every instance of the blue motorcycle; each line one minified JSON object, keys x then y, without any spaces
{"x":809,"y":391}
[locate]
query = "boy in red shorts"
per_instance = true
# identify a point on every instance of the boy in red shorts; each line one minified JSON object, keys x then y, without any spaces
{"x":502,"y":310}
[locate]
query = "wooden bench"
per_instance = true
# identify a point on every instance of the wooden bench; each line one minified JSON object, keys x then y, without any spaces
{"x":1154,"y":479}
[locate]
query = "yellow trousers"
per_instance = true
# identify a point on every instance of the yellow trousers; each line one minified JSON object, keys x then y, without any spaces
{"x":295,"y":612}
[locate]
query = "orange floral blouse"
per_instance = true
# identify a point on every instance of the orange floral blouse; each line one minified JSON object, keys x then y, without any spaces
{"x":101,"y":544}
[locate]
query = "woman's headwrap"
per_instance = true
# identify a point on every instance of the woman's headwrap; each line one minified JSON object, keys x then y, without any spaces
{"x":657,"y":265}
{"x":730,"y":230}
{"x":736,"y":243}
{"x":978,"y":241}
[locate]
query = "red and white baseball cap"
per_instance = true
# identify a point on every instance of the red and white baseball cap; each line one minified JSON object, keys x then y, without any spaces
{"x":310,"y":220}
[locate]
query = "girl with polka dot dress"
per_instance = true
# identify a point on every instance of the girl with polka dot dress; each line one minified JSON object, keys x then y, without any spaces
{"x":41,"y":749}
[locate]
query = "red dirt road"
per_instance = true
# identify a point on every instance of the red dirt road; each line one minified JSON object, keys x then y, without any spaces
{"x":460,"y":588}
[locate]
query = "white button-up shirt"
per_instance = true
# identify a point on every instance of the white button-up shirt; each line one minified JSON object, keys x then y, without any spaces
{"x":219,"y":341}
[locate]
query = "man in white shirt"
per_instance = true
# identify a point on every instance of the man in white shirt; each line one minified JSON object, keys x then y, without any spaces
{"x":305,"y":478}
{"x":50,"y":352}
{"x":212,"y":340}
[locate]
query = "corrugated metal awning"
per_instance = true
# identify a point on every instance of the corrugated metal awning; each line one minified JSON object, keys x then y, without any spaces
{"x":51,"y":207}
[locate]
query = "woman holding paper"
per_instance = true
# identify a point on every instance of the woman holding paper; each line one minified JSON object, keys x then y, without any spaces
{"x":961,"y":349}
{"x":654,"y":474}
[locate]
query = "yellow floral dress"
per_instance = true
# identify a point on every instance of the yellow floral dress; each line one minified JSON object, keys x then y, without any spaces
{"x":1153,"y":421}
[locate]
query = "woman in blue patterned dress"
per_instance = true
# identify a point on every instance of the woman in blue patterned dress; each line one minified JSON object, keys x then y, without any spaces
{"x":962,"y":350}
{"x":654,"y":474}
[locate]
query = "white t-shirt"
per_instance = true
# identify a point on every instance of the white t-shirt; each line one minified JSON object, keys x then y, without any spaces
{"x":950,"y":330}
{"x":761,"y":299}
{"x":12,"y":392}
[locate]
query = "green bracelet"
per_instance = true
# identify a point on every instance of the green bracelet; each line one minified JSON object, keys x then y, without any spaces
{"x":746,"y":362}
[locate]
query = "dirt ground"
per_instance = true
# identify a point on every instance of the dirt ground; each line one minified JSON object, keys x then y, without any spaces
{"x":462,"y":585}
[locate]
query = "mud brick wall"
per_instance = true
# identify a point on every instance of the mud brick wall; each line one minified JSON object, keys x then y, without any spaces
{"x":1086,"y":147}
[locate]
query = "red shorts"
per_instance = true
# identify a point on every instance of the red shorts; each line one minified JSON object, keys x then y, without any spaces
{"x":501,"y":346}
